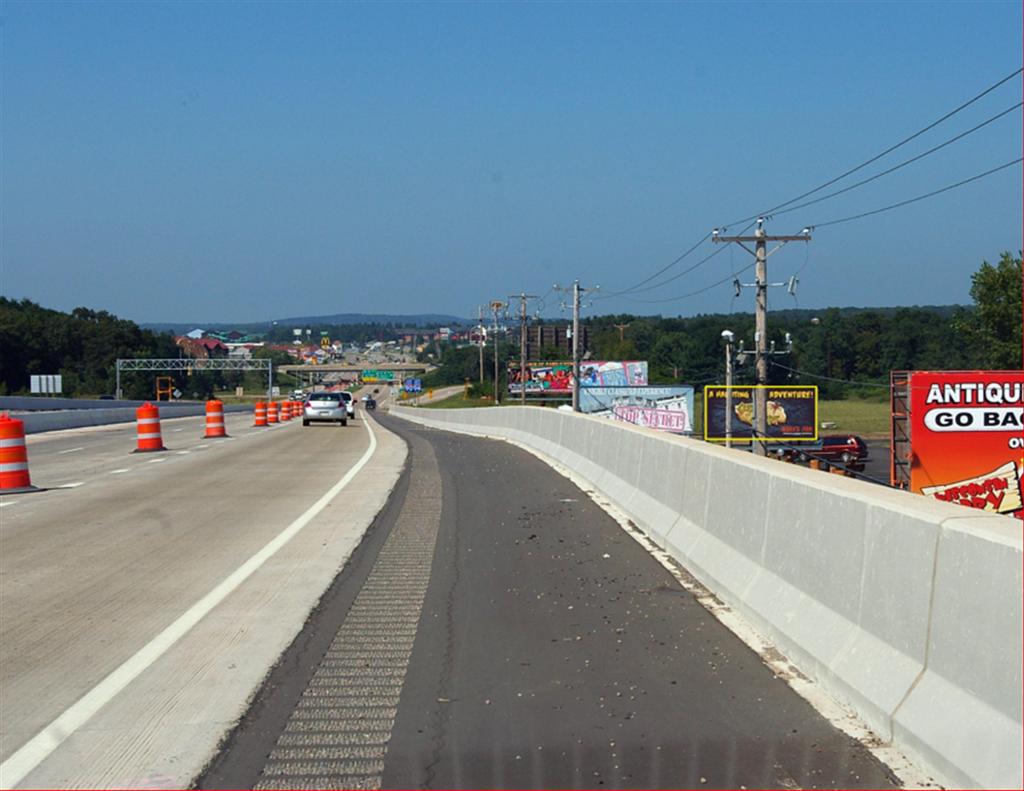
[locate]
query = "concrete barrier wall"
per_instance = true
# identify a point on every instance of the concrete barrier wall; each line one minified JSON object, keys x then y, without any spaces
{"x":36,"y":422}
{"x":907,"y":609}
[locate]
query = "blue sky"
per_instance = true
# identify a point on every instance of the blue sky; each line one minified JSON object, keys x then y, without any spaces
{"x":242,"y":162}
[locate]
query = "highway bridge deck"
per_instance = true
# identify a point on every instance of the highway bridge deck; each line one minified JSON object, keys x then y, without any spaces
{"x":546,"y":648}
{"x":493,"y":627}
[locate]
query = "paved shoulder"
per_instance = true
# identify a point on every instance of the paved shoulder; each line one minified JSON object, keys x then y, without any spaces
{"x":537,"y":646}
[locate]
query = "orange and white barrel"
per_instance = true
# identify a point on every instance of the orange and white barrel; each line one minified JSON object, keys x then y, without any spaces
{"x":215,"y":420}
{"x":148,"y":434}
{"x":272,"y":413}
{"x":14,"y":476}
{"x":260,"y":414}
{"x":286,"y":411}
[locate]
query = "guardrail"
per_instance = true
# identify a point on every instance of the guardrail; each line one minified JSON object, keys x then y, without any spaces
{"x":907,"y":609}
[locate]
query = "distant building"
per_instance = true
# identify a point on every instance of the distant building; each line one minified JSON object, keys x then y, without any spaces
{"x":201,"y":348}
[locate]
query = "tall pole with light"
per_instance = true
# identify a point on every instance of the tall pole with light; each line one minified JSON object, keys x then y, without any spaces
{"x":728,"y":336}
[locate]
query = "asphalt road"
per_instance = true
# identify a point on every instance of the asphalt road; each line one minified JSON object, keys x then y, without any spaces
{"x":142,"y":604}
{"x":498,"y":629}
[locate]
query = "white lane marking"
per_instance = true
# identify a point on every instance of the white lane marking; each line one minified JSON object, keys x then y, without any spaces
{"x":74,"y":485}
{"x":40,"y":746}
{"x":6,"y":503}
{"x":184,"y":452}
{"x":176,"y":430}
{"x":201,"y":446}
{"x":156,"y":461}
{"x":71,"y":450}
{"x":118,"y":472}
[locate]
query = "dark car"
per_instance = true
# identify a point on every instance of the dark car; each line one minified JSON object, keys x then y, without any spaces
{"x":844,"y":448}
{"x":371,"y":403}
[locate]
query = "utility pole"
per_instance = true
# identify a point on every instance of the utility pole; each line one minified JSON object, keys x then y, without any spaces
{"x":523,"y":299}
{"x":622,"y":330}
{"x":760,"y":253}
{"x":496,"y":307}
{"x":577,"y":289}
{"x":481,"y":341}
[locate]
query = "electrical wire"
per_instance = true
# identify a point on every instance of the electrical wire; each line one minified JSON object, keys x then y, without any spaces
{"x":780,"y":208}
{"x":889,"y":150}
{"x":902,"y":164}
{"x":662,"y":270}
{"x":726,"y":279}
{"x":919,"y":197}
{"x":827,"y":378}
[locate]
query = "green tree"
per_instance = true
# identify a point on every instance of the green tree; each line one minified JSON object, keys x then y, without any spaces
{"x":993,"y":327}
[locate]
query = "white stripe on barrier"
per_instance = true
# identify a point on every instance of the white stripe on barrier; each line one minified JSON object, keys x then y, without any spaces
{"x":149,"y":436}
{"x":12,"y":443}
{"x":16,"y":467}
{"x":148,"y":420}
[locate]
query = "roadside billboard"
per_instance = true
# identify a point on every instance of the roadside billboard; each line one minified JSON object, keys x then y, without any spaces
{"x":967,"y":438}
{"x":373,"y":375}
{"x":555,"y":378}
{"x":665,"y":408}
{"x":792,"y":413}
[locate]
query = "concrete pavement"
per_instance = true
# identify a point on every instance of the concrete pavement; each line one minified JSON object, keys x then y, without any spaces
{"x":552,"y":650}
{"x":143,"y":606}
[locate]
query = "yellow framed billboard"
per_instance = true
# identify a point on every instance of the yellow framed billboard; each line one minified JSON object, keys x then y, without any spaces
{"x":792,"y":413}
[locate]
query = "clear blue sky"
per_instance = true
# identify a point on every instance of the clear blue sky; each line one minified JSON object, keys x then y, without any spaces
{"x":241,"y":162}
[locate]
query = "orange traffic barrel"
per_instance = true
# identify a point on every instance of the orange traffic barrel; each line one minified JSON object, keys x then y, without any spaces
{"x":13,"y":457}
{"x":148,"y":435}
{"x":286,"y":411}
{"x":215,"y":420}
{"x":272,"y":412}
{"x":260,"y":414}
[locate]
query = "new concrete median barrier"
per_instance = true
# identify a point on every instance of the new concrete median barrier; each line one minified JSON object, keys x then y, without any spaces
{"x":59,"y":419}
{"x":907,"y":609}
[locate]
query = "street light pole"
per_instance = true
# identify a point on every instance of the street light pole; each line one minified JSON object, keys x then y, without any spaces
{"x":728,"y":335}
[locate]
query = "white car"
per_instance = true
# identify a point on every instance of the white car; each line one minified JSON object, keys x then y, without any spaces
{"x":350,"y":405}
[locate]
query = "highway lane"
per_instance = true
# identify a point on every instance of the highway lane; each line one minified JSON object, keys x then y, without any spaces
{"x":93,"y":578}
{"x":536,"y":645}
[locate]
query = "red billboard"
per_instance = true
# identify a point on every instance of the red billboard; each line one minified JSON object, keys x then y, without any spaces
{"x":967,"y":438}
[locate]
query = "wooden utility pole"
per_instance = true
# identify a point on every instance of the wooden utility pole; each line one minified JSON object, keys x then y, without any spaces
{"x":523,"y":299}
{"x":760,"y":240}
{"x":577,"y":289}
{"x":496,"y":307}
{"x":622,"y":330}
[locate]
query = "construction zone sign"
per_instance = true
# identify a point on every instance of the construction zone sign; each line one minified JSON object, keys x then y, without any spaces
{"x":967,"y":438}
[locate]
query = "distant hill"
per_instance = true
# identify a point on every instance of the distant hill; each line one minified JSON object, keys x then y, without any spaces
{"x":337,"y":319}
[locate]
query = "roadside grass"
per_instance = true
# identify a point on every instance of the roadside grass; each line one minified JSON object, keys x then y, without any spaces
{"x":457,"y":402}
{"x":869,"y":419}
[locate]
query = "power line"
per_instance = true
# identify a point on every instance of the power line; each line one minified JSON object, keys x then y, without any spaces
{"x":676,"y":276}
{"x":889,"y":150}
{"x":830,"y":378}
{"x":731,"y":276}
{"x":903,"y":164}
{"x":662,"y":270}
{"x":919,"y":197}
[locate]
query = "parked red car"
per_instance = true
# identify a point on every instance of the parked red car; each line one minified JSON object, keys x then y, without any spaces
{"x":844,"y":448}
